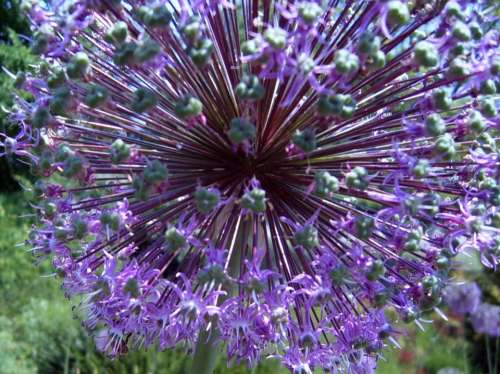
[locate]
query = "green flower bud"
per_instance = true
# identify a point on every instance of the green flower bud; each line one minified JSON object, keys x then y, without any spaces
{"x":453,"y":9}
{"x":120,"y":151}
{"x":376,"y":61}
{"x":445,"y":146}
{"x":144,"y":100}
{"x":96,"y":96}
{"x":174,"y":240}
{"x":155,"y":172}
{"x":398,"y":13}
{"x":79,"y":227}
{"x":461,"y":32}
{"x":192,"y":29}
{"x":421,"y":168}
{"x":188,"y":107}
{"x":357,"y":178}
{"x":240,"y":130}
{"x":488,"y":108}
{"x":41,"y":117}
{"x":132,"y":288}
{"x":251,"y":47}
{"x":307,"y":237}
{"x":118,"y":33}
{"x":488,"y":87}
{"x":340,"y":105}
{"x":495,"y":220}
{"x":56,"y":79}
{"x":495,"y":67}
{"x":339,"y":275}
{"x":158,"y":16}
{"x":61,"y":101}
{"x":125,"y":54}
{"x":325,"y":184}
{"x":368,"y":43}
{"x":140,"y":188}
{"x":458,"y":50}
{"x":305,"y":64}
{"x":364,"y":227}
{"x":459,"y":68}
{"x":200,"y":54}
{"x":255,"y":200}
{"x":426,"y":54}
{"x":346,"y":62}
{"x":111,"y":220}
{"x":41,"y":41}
{"x":49,"y":210}
{"x":376,"y":270}
{"x":435,"y":125}
{"x":206,"y":199}
{"x":442,"y":99}
{"x":305,"y":139}
{"x":250,"y":88}
{"x":146,"y":51}
{"x":309,"y":11}
{"x":276,"y":37}
{"x":79,"y":66}
{"x":476,"y":122}
{"x":443,"y":263}
{"x":73,"y":166}
{"x":63,"y":153}
{"x":476,"y":30}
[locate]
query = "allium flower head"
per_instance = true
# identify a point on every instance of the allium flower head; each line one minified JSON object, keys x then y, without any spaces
{"x":486,"y":319}
{"x":275,"y":174}
{"x":463,"y":298}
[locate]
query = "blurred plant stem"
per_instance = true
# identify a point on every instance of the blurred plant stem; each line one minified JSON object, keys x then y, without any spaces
{"x":205,"y":355}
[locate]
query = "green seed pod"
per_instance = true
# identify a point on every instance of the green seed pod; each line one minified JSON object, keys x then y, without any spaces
{"x":125,"y":54}
{"x":158,"y":16}
{"x":307,"y":237}
{"x":364,"y":227}
{"x":346,"y":62}
{"x":397,"y":13}
{"x":445,"y":146}
{"x":250,"y":88}
{"x":155,"y":172}
{"x":442,"y":99}
{"x":240,"y":130}
{"x":461,"y":31}
{"x":309,"y":11}
{"x":488,"y":87}
{"x":255,"y":200}
{"x":201,"y":52}
{"x":118,"y":33}
{"x":435,"y":125}
{"x":146,"y":51}
{"x":305,"y":139}
{"x":174,"y":240}
{"x":376,"y":270}
{"x":79,"y":66}
{"x":144,"y":100}
{"x":276,"y":37}
{"x":96,"y":96}
{"x":56,"y":79}
{"x":206,"y":199}
{"x":488,"y":108}
{"x":251,"y":47}
{"x":188,"y":107}
{"x":425,"y":54}
{"x":368,"y":43}
{"x":41,"y":117}
{"x":476,"y":122}
{"x":421,"y":168}
{"x":120,"y":151}
{"x":325,"y":184}
{"x":357,"y":178}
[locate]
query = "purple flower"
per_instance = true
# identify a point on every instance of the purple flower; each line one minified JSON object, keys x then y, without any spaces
{"x":272,"y":175}
{"x":486,"y":319}
{"x":463,"y":298}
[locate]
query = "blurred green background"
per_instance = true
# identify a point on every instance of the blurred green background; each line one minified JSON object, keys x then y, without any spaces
{"x":38,"y":333}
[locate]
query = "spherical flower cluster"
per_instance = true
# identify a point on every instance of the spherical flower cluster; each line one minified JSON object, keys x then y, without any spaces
{"x":275,"y":175}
